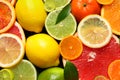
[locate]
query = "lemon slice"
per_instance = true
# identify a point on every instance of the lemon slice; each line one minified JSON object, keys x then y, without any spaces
{"x":11,"y":50}
{"x":94,"y":31}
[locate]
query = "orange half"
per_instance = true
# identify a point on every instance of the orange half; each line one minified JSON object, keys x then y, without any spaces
{"x":114,"y":70}
{"x":105,"y":2}
{"x":7,"y":15}
{"x":112,"y":14}
{"x":71,"y":47}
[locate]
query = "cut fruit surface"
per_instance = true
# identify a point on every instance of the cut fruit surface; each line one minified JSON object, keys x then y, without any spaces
{"x":94,"y":31}
{"x":95,"y":61}
{"x":7,"y":15}
{"x":64,"y":28}
{"x":112,"y":15}
{"x":25,"y":70}
{"x":11,"y":50}
{"x":12,"y":1}
{"x":51,"y":5}
{"x":100,"y":77}
{"x":105,"y":2}
{"x":6,"y":74}
{"x":114,"y":70}
{"x":71,"y":47}
{"x":17,"y":30}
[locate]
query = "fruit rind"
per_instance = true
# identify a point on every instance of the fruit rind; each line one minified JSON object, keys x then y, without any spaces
{"x":21,"y":55}
{"x":98,"y":45}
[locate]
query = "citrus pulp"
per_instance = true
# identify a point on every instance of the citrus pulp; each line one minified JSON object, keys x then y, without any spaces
{"x":11,"y":50}
{"x":64,"y":28}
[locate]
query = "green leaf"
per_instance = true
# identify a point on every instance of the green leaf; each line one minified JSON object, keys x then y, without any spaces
{"x":70,"y":71}
{"x":63,"y":14}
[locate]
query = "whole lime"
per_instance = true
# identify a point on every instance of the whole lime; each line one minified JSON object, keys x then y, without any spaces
{"x":42,"y":50}
{"x":31,"y":14}
{"x":53,"y":73}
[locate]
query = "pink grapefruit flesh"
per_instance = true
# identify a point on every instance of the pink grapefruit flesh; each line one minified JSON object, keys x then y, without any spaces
{"x":95,"y":62}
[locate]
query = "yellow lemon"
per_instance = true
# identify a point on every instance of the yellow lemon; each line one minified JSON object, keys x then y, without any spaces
{"x":42,"y":50}
{"x":31,"y":14}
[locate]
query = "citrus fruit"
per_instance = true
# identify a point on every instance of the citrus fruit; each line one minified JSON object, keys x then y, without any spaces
{"x":31,"y":17}
{"x":100,"y":77}
{"x":114,"y":70}
{"x":42,"y":50}
{"x":112,"y":15}
{"x":94,"y":31}
{"x":51,"y":5}
{"x":71,"y":47}
{"x":11,"y":50}
{"x":83,"y":8}
{"x":105,"y":2}
{"x":6,"y":74}
{"x":64,"y":28}
{"x":7,"y":15}
{"x":53,"y":73}
{"x":25,"y":70}
{"x":95,"y":61}
{"x":12,"y":1}
{"x":17,"y":30}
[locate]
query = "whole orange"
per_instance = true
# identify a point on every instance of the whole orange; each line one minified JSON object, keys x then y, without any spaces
{"x":82,"y":8}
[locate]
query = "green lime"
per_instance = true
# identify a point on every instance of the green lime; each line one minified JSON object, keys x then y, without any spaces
{"x":6,"y":74}
{"x":53,"y":73}
{"x":24,"y":71}
{"x":64,"y":28}
{"x":51,"y":5}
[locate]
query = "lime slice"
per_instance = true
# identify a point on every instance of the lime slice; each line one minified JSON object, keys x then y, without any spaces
{"x":51,"y":5}
{"x":94,"y":31}
{"x":62,"y":29}
{"x":6,"y":74}
{"x":25,"y":70}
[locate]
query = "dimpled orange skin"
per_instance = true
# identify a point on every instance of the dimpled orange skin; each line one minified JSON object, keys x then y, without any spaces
{"x":82,"y":8}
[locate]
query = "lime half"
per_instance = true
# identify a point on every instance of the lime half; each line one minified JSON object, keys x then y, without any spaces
{"x":64,"y":28}
{"x":51,"y":5}
{"x":6,"y":74}
{"x":24,"y":71}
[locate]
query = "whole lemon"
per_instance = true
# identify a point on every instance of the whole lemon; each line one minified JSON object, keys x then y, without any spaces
{"x":31,"y":14}
{"x":42,"y":50}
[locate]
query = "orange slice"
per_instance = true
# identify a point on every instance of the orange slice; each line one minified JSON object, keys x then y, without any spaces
{"x":105,"y":2}
{"x":71,"y":47}
{"x":7,"y":15}
{"x":112,"y":14}
{"x":94,"y":31}
{"x":12,"y":1}
{"x":100,"y":77}
{"x":114,"y":70}
{"x":11,"y":50}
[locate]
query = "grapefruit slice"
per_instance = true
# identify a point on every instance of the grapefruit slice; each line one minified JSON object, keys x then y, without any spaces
{"x":12,"y":1}
{"x":112,"y":14}
{"x":11,"y":50}
{"x":71,"y":47}
{"x":94,"y":31}
{"x":7,"y":15}
{"x":95,"y":61}
{"x":17,"y":30}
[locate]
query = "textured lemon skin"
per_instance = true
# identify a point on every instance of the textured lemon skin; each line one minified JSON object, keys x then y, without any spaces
{"x":42,"y":50}
{"x":31,"y":14}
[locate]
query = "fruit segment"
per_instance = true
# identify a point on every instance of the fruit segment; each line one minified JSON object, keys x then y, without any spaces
{"x":95,"y":62}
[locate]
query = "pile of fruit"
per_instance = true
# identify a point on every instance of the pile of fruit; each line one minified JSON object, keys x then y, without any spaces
{"x":59,"y":40}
